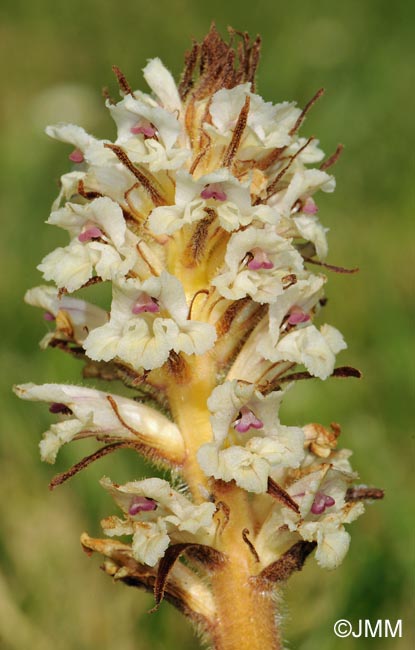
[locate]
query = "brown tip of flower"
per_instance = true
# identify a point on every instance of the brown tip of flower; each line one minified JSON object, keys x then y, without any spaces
{"x":214,"y":64}
{"x":122,"y":81}
{"x":363,"y":493}
{"x":333,"y":158}
{"x":292,"y":560}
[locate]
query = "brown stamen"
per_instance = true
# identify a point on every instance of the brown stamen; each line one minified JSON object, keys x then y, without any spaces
{"x":198,"y":293}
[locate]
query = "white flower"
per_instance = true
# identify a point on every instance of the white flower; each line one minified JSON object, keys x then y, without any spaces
{"x":92,"y":412}
{"x":100,"y":241}
{"x":163,"y":85}
{"x":148,"y":133}
{"x":219,"y":191}
{"x":321,"y":498}
{"x":299,"y":298}
{"x":153,"y":508}
{"x":69,"y":187}
{"x":257,"y":260}
{"x":314,"y":349}
{"x":90,"y":149}
{"x":248,"y":437}
{"x":148,"y":320}
{"x":83,"y":316}
{"x":268,"y":125}
{"x":310,"y":229}
{"x":302,"y":185}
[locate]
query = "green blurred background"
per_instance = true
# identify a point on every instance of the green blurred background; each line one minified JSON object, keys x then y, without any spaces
{"x":56,"y":56}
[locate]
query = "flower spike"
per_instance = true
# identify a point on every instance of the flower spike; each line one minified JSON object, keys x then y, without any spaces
{"x":202,"y":219}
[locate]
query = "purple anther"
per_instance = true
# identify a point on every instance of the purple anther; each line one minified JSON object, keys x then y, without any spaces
{"x":213,"y":191}
{"x":90,"y":233}
{"x":260,"y":260}
{"x":141,"y":504}
{"x":76,"y":156}
{"x":309,"y":206}
{"x":297,"y":315}
{"x":49,"y":316}
{"x":145,"y":303}
{"x":247,"y":420}
{"x":145,"y":128}
{"x":58,"y":407}
{"x":321,"y":502}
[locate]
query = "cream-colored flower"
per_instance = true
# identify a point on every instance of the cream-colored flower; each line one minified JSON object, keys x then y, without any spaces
{"x":148,"y":320}
{"x":100,"y":242}
{"x":219,"y":191}
{"x":257,"y":261}
{"x":83,"y":316}
{"x":268,"y":125}
{"x":315,"y":349}
{"x":249,"y":440}
{"x":156,"y":514}
{"x":148,"y":133}
{"x":95,"y":413}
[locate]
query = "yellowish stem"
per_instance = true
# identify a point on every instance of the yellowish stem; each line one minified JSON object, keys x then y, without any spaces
{"x":188,"y":405}
{"x":246,"y":617}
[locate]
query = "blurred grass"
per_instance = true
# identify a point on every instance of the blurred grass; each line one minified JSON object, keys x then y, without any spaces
{"x":56,"y":56}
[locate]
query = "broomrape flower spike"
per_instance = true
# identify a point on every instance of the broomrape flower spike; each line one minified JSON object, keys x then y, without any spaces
{"x":202,"y":218}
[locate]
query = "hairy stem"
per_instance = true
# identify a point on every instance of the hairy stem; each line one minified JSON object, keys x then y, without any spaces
{"x":246,"y":617}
